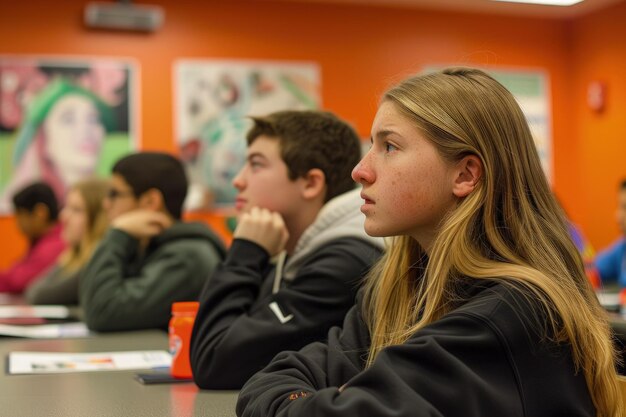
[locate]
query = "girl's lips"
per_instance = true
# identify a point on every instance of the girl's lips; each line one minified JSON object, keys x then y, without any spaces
{"x":367,"y":199}
{"x":367,"y":204}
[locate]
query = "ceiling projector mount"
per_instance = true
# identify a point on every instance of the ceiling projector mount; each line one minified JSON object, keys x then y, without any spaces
{"x":123,"y":15}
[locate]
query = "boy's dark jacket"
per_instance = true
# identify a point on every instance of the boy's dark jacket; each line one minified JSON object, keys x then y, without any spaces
{"x":125,"y":289}
{"x":489,"y":357}
{"x":253,"y":308}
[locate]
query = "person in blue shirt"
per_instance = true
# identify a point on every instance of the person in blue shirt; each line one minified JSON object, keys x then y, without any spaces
{"x":610,"y":263}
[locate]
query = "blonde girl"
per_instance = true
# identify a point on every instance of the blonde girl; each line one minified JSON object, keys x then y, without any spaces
{"x":480,"y":306}
{"x":84,"y":223}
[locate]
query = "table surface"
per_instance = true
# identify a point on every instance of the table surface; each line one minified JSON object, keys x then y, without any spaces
{"x":103,"y":393}
{"x":116,"y":393}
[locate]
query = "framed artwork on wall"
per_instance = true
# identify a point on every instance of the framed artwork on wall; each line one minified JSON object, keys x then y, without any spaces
{"x":63,"y":119}
{"x":213,"y":102}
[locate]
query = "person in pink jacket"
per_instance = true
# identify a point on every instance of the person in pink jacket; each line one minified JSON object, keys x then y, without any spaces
{"x":36,"y":213}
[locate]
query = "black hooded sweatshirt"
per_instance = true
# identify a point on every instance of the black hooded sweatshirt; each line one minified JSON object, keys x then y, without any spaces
{"x":488,"y":357}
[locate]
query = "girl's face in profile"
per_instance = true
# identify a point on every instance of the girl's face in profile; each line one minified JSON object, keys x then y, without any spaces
{"x":407,"y":185}
{"x":74,"y":218}
{"x":73,"y":137}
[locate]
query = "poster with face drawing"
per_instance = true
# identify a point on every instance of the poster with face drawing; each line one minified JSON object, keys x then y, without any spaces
{"x":213,"y":101}
{"x":62,"y":120}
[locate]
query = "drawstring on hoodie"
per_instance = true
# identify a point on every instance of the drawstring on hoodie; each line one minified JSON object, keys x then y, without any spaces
{"x":280,"y":262}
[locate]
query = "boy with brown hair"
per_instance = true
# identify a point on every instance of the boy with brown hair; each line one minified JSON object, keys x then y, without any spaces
{"x":299,"y":250}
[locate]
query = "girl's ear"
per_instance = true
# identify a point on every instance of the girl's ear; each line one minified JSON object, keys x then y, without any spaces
{"x":468,"y":172}
{"x":313,"y":184}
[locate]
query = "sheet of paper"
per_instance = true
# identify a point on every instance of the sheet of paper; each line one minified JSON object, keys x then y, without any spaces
{"x":54,"y":362}
{"x":45,"y":331}
{"x":45,"y":312}
{"x":608,"y":299}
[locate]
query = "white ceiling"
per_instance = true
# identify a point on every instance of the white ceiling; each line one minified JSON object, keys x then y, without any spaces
{"x":485,"y":6}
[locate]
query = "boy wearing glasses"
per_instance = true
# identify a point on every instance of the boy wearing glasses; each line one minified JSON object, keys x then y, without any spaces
{"x":149,"y":258}
{"x":299,"y":251}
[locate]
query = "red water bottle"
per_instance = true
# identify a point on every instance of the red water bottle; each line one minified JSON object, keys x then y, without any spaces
{"x":181,"y":324}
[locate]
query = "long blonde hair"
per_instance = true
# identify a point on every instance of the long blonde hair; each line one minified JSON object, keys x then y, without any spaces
{"x":509,"y":229}
{"x":92,"y":192}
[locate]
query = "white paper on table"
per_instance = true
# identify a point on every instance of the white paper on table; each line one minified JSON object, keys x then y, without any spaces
{"x":44,"y":312}
{"x":55,"y":362}
{"x":45,"y":331}
{"x":608,"y":299}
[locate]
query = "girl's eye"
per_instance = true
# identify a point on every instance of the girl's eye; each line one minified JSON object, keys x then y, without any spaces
{"x":389,"y":147}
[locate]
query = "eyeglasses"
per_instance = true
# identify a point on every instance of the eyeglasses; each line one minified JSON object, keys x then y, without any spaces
{"x":113,"y":193}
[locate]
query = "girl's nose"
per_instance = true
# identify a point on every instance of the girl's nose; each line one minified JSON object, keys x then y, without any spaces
{"x":63,"y":216}
{"x":362,"y":173}
{"x":106,"y":204}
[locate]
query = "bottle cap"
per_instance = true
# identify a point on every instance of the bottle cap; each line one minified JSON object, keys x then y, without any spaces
{"x":185,"y":307}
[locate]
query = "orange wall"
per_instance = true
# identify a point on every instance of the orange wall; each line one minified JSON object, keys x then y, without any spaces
{"x":360,"y":50}
{"x":600,"y":139}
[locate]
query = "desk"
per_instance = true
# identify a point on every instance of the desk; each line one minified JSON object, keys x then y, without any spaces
{"x":105,"y":393}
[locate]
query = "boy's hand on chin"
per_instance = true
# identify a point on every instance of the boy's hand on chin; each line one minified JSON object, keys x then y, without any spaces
{"x":265,"y":228}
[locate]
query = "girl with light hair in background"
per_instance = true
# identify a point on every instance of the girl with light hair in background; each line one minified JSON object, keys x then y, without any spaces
{"x":60,"y":139}
{"x":480,"y":307}
{"x":84,"y":223}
